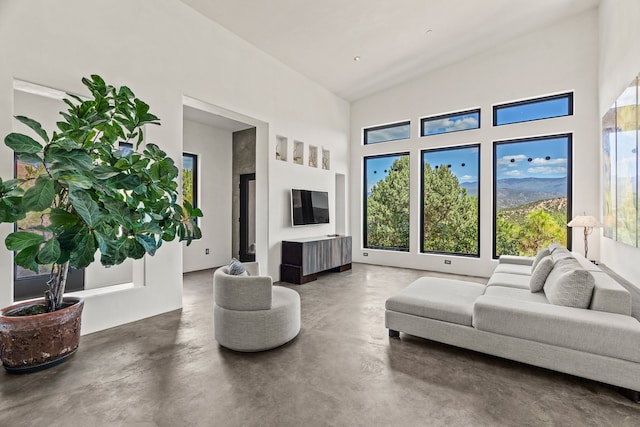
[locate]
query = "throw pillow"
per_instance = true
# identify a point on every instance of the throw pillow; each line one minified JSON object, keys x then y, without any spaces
{"x":554,"y":246}
{"x":540,"y":273}
{"x":560,"y":254}
{"x":236,"y":268}
{"x":543,"y":253}
{"x":569,"y":284}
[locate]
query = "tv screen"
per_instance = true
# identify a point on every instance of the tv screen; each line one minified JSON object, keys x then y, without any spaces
{"x":309,"y":207}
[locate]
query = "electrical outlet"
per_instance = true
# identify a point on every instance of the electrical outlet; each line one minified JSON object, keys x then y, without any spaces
{"x":365,"y":253}
{"x":206,"y":251}
{"x":447,"y":261}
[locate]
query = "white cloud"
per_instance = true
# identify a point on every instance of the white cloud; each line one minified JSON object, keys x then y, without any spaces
{"x":451,"y":125}
{"x":506,"y":160}
{"x":468,"y":178}
{"x":539,"y":161}
{"x":547,"y":170}
{"x":513,"y":173}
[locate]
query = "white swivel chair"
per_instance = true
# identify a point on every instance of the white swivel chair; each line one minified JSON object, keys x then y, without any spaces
{"x":250,"y":314}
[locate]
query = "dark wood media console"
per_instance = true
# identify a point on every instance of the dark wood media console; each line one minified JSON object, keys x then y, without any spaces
{"x":303,"y":259}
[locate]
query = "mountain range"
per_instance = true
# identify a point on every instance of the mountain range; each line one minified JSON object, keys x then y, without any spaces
{"x":513,"y":192}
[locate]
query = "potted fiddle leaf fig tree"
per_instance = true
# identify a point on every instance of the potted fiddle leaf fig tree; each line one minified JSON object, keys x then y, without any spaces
{"x":92,"y":186}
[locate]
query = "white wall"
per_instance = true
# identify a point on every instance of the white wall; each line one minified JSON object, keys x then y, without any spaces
{"x":619,"y":64}
{"x":559,"y":58}
{"x":213,"y":147}
{"x":164,"y":50}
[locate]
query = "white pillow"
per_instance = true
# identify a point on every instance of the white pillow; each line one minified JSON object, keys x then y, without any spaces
{"x":543,"y":253}
{"x":540,"y":274}
{"x":569,"y":284}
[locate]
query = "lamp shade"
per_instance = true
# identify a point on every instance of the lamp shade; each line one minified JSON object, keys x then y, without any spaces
{"x":584,"y":221}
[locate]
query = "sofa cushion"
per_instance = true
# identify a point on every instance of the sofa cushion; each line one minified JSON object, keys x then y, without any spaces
{"x":509,"y":280}
{"x":569,"y":284}
{"x":516,"y":259}
{"x":435,"y":298}
{"x":606,"y":334}
{"x":516,"y":294}
{"x":554,"y":246}
{"x":561,"y":254}
{"x":513,"y":269}
{"x":609,"y":295}
{"x":540,"y":274}
{"x":543,"y":253}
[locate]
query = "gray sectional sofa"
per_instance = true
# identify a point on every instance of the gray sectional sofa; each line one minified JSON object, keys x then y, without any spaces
{"x":578,"y":322}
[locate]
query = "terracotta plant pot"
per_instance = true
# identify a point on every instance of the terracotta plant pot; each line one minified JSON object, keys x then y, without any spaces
{"x":36,"y":342}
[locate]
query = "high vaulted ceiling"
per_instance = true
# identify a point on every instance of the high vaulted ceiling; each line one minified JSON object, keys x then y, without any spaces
{"x":395,"y":40}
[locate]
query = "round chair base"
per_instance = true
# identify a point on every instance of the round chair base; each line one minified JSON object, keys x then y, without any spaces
{"x":259,"y":330}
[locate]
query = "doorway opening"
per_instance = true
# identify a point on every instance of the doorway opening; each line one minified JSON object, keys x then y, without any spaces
{"x":248,"y":217}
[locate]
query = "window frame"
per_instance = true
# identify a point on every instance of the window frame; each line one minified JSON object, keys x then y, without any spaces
{"x":422,"y":193}
{"x":531,"y":101}
{"x":365,"y":197}
{"x":194,"y":159}
{"x":569,"y":137}
{"x":365,"y":134}
{"x":447,"y":116}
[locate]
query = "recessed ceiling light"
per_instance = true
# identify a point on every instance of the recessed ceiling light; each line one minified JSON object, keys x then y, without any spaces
{"x":356,"y":58}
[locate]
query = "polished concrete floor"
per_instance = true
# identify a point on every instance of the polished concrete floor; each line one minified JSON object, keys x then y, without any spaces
{"x":342,"y":370}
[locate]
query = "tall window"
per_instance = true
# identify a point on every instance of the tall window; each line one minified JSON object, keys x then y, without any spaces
{"x":386,"y":202}
{"x":190,"y":178}
{"x":453,"y":122}
{"x":533,"y":109}
{"x":392,"y":132}
{"x":450,"y":207}
{"x":532,"y":194}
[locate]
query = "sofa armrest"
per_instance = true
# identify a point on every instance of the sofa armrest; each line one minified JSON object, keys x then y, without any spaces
{"x":514,"y":259}
{"x":597,"y":332}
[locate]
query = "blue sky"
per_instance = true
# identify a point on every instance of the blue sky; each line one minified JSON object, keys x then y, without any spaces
{"x":389,"y":134}
{"x":451,"y":124}
{"x":526,"y":112}
{"x":513,"y":159}
{"x":376,"y":169}
{"x":187,"y":162}
{"x":456,"y":158}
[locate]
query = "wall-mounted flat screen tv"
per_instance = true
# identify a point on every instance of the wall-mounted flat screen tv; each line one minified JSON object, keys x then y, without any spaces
{"x":309,"y":207}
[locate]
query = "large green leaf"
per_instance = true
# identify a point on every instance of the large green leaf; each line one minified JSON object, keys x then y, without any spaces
{"x":37,"y":127}
{"x":84,"y":252}
{"x":27,"y":258}
{"x":104,"y":172}
{"x":134,"y":249}
{"x":20,"y":240}
{"x":50,"y":252}
{"x":112,"y":250}
{"x":22,"y":143}
{"x":120,"y":212}
{"x":32,"y":158}
{"x":67,"y":144}
{"x":11,"y":209}
{"x":147,"y":242}
{"x":86,"y":207}
{"x":76,"y":181}
{"x":75,"y":159}
{"x":124,"y":181}
{"x":40,"y":196}
{"x":62,"y":218}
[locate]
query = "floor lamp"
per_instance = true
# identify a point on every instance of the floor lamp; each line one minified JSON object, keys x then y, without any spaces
{"x":589,"y":223}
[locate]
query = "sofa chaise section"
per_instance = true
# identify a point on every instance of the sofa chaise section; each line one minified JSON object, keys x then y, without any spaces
{"x":505,"y":319}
